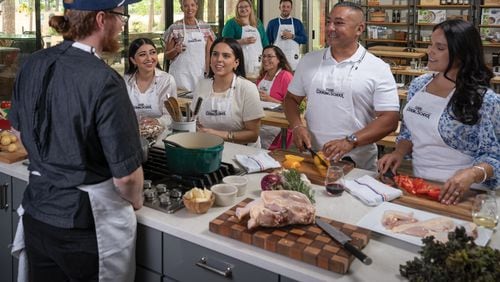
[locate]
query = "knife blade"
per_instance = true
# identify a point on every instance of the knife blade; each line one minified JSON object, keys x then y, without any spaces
{"x":314,"y":154}
{"x":343,"y":239}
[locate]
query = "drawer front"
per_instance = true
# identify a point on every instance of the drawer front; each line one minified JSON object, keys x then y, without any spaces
{"x":149,"y":248}
{"x":185,"y":261}
{"x":146,"y":275}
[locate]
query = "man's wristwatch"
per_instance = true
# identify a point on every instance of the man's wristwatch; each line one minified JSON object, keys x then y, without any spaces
{"x":353,"y":139}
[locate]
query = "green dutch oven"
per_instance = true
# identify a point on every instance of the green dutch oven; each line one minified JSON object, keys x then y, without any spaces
{"x":193,"y":153}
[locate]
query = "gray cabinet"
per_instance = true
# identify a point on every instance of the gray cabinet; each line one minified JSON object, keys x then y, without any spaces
{"x":185,"y":261}
{"x":11,"y":193}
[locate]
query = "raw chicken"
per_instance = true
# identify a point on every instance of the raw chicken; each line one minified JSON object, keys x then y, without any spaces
{"x":439,"y":227}
{"x":392,"y":219}
{"x":278,"y":208}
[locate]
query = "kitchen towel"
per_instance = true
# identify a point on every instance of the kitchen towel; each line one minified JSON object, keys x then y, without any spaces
{"x":258,"y":162}
{"x":370,"y":191}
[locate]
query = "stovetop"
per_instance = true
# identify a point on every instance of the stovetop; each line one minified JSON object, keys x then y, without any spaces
{"x":163,"y":190}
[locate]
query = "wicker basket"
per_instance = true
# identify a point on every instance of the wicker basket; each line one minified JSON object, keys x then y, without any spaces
{"x":400,"y":35}
{"x":378,"y":16}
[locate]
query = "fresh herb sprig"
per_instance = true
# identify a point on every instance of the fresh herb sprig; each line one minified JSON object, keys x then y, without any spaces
{"x":459,"y":259}
{"x":293,"y":182}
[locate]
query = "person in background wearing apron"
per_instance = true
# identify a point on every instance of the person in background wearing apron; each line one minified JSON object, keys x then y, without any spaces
{"x":148,"y":86}
{"x":231,"y":108}
{"x":287,"y":33}
{"x":451,"y":122}
{"x":250,"y":34}
{"x":74,"y":117}
{"x":274,"y":77}
{"x":188,"y":44}
{"x":352,"y":99}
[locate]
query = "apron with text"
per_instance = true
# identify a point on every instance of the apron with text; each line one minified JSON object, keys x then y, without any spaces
{"x":187,"y":69}
{"x":116,"y":228}
{"x":146,"y":104}
{"x":251,"y":52}
{"x":267,"y":133}
{"x":432,"y":159}
{"x":331,"y":87}
{"x":289,"y":47}
{"x":217,"y":111}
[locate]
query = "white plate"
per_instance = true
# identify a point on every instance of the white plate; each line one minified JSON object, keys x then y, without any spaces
{"x":373,"y":221}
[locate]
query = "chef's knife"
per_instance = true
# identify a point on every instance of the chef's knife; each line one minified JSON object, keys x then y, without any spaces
{"x":314,"y":154}
{"x":343,"y":239}
{"x":197,"y":107}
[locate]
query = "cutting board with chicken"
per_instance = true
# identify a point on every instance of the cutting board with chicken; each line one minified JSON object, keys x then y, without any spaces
{"x":306,"y":243}
{"x":413,"y":199}
{"x":307,"y":165}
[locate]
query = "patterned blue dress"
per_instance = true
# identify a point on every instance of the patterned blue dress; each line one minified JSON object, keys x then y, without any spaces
{"x":480,"y":141}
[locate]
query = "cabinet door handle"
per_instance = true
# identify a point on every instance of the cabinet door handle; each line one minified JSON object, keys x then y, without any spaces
{"x":203,"y":263}
{"x":4,"y":203}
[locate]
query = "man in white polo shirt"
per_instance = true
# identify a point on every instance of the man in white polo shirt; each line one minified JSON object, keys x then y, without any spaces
{"x":352,"y":98}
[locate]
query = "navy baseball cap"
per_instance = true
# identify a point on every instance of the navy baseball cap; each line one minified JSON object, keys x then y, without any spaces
{"x":96,"y":5}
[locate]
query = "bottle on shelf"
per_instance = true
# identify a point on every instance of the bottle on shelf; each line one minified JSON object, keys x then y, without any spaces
{"x":466,"y":2}
{"x":398,"y":16}
{"x":448,"y":2}
{"x":393,"y":16}
{"x":442,"y":2}
{"x":460,"y":2}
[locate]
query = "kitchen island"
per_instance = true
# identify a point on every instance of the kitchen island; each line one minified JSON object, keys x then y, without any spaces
{"x":387,"y":253}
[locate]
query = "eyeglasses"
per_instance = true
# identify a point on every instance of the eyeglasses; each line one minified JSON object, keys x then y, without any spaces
{"x":268,"y":56}
{"x":123,"y":17}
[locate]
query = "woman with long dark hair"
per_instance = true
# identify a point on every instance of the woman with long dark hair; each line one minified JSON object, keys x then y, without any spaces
{"x":148,"y":86}
{"x":274,"y":77}
{"x":451,"y":122}
{"x":231,"y":108}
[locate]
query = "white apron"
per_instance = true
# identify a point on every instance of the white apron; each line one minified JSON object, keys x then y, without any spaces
{"x":432,"y":158}
{"x":290,"y":47}
{"x":268,"y":133}
{"x":188,"y":67}
{"x":116,"y":228}
{"x":217,"y":111}
{"x":333,"y":117}
{"x":146,"y":104}
{"x":252,"y":52}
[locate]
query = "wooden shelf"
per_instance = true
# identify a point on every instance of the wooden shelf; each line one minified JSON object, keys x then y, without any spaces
{"x":389,"y":6}
{"x":385,"y":40}
{"x":426,"y":24}
{"x":422,"y":42}
{"x":490,"y":44}
{"x":490,"y":6}
{"x":444,"y":7}
{"x":387,"y":23}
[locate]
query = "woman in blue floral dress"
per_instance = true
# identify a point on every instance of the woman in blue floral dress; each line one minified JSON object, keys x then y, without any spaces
{"x":451,"y":122}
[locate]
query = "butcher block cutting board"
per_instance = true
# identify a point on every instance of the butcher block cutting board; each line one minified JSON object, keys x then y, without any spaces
{"x":7,"y":157}
{"x":462,"y":210}
{"x":306,"y":243}
{"x":307,"y":166}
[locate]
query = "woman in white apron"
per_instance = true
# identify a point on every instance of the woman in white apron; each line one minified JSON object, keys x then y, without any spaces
{"x":275,"y":75}
{"x":148,"y":87}
{"x":188,"y":42}
{"x":450,"y":124}
{"x":250,"y":33}
{"x":231,"y":108}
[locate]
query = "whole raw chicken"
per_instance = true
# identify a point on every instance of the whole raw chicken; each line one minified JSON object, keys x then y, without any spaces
{"x":278,"y":208}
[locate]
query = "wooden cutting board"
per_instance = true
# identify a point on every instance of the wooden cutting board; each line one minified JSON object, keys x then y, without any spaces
{"x":306,"y":243}
{"x":307,"y":166}
{"x":462,"y":210}
{"x":19,"y":155}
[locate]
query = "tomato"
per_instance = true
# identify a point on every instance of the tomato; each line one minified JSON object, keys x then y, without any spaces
{"x":419,"y":184}
{"x":405,"y":183}
{"x":434,"y":193}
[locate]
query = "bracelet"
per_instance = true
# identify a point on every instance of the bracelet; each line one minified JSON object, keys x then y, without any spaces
{"x":484,"y":172}
{"x":297,"y":126}
{"x":230,"y":136}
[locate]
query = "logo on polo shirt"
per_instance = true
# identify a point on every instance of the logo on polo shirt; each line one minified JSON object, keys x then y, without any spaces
{"x":419,"y":111}
{"x":330,"y":92}
{"x":215,"y":113}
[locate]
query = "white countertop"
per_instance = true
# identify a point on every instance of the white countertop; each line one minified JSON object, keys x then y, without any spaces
{"x":387,"y":253}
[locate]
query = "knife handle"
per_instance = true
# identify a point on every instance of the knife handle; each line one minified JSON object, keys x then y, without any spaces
{"x":357,"y":253}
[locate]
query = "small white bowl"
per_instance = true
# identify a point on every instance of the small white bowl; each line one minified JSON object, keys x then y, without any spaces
{"x":225,"y":194}
{"x":239,"y":181}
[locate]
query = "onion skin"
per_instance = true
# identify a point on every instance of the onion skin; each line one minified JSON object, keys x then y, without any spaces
{"x":270,"y":181}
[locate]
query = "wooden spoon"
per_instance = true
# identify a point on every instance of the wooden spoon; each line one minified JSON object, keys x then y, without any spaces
{"x":170,"y":110}
{"x":176,"y":107}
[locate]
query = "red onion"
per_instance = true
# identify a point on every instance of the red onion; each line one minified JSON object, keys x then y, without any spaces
{"x":270,"y":181}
